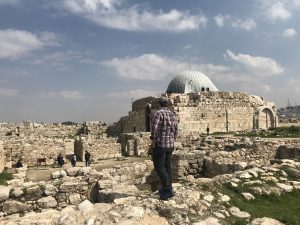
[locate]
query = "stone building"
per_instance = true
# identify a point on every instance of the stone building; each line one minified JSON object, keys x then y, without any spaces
{"x":198,"y":104}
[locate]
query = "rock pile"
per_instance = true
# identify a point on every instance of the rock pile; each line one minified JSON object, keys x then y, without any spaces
{"x":85,"y":196}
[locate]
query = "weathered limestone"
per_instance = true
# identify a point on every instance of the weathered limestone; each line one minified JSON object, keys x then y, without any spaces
{"x":265,"y":221}
{"x":101,"y":148}
{"x":72,"y":200}
{"x":220,"y":111}
{"x":31,"y":141}
{"x":135,"y":144}
{"x":30,"y":149}
{"x":12,"y":206}
{"x":2,"y":157}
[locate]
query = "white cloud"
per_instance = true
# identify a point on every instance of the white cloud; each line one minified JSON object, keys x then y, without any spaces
{"x":289,"y":33}
{"x":247,"y":24}
{"x":137,"y":93}
{"x":66,"y":94}
{"x":220,"y":19}
{"x":17,"y":43}
{"x":145,"y":67}
{"x":278,"y":11}
{"x":8,"y":92}
{"x":108,"y":13}
{"x":258,"y":65}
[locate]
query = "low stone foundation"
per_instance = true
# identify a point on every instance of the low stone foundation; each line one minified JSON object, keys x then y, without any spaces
{"x":69,"y":187}
{"x":227,"y":155}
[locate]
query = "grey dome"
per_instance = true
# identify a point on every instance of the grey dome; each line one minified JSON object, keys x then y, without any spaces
{"x":190,"y":82}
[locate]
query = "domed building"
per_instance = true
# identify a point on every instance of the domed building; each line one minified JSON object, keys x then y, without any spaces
{"x":190,"y":82}
{"x":198,"y":104}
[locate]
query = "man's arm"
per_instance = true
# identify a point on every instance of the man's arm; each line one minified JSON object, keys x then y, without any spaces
{"x":155,"y":124}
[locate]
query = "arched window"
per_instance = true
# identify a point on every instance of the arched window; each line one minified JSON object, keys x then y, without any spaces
{"x":203,"y":89}
{"x":207,"y":89}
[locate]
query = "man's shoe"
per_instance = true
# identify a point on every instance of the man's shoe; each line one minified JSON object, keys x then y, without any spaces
{"x":166,"y":193}
{"x":166,"y":196}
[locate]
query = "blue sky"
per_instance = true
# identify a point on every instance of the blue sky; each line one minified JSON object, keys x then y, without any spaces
{"x":88,"y":59}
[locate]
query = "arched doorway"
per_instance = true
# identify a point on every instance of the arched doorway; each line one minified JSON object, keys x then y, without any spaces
{"x":265,"y":118}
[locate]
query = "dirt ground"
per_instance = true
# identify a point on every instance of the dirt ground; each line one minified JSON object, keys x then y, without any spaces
{"x":43,"y":173}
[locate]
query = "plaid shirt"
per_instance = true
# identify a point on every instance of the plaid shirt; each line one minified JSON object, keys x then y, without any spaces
{"x":164,"y":128}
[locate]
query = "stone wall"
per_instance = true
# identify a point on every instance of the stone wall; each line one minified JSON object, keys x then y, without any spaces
{"x":70,"y":187}
{"x":101,"y":148}
{"x":29,"y":150}
{"x":2,"y":157}
{"x":135,"y":144}
{"x":211,"y":157}
{"x":220,"y":111}
{"x":29,"y":141}
{"x":30,"y":129}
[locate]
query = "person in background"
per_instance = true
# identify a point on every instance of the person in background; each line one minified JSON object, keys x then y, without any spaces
{"x":19,"y":164}
{"x":87,"y":157}
{"x":60,"y":160}
{"x":163,"y":134}
{"x":207,"y":130}
{"x":73,"y":160}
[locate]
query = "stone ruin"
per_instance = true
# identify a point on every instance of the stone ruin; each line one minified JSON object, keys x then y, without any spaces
{"x":31,"y":141}
{"x":119,"y":195}
{"x":220,"y":111}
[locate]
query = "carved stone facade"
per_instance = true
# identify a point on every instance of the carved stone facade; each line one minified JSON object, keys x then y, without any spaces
{"x":220,"y":111}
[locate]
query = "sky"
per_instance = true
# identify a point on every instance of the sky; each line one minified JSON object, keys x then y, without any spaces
{"x":81,"y":60}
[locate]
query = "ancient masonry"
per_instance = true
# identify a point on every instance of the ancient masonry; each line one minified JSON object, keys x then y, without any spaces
{"x":32,"y":142}
{"x":203,"y":106}
{"x":93,"y":138}
{"x":2,"y":157}
{"x":241,"y":159}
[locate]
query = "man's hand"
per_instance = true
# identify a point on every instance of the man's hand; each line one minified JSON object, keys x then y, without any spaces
{"x":152,"y":144}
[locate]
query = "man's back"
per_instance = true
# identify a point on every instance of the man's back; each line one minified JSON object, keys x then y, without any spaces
{"x":87,"y":155}
{"x":164,"y":128}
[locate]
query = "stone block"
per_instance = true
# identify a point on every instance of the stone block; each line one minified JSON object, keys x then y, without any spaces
{"x":73,"y":171}
{"x":12,"y":207}
{"x":47,"y":202}
{"x":4,"y":193}
{"x":33,"y":193}
{"x":74,"y":199}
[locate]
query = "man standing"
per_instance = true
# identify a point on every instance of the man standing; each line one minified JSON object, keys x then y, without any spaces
{"x":163,"y":134}
{"x":87,"y":157}
{"x":207,"y":130}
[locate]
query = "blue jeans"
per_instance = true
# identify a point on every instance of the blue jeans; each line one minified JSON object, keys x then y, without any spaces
{"x":162,"y":158}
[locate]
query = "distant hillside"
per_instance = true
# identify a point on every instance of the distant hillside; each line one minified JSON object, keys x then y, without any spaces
{"x":290,"y":113}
